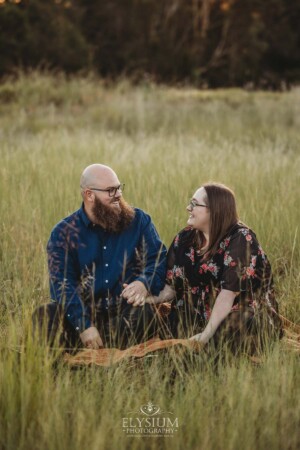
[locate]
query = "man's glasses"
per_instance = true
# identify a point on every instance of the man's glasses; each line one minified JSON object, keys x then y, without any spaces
{"x":111,"y":191}
{"x":193,"y":203}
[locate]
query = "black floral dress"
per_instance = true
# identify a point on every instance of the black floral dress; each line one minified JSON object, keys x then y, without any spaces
{"x":239,"y":265}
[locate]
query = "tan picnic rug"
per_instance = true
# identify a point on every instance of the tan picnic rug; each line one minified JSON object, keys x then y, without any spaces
{"x":108,"y":356}
{"x":291,"y":338}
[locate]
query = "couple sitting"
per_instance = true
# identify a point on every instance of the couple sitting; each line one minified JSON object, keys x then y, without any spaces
{"x":109,"y":270}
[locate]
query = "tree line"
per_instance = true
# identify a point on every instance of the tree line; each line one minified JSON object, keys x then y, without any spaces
{"x":211,"y":43}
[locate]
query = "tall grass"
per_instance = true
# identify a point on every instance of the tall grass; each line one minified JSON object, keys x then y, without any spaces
{"x":163,"y":143}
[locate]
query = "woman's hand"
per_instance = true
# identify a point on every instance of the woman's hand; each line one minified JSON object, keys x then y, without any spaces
{"x":166,"y":295}
{"x":136,"y":294}
{"x":152,"y":300}
{"x":220,"y":311}
{"x":199,"y":338}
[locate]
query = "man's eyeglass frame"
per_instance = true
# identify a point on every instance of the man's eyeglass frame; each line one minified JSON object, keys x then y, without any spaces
{"x":111,"y":191}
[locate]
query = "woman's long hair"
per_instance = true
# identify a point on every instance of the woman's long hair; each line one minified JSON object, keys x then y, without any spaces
{"x":223,"y":215}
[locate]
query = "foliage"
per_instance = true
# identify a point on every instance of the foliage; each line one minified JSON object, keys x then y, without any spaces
{"x":212,"y":43}
{"x":36,"y":34}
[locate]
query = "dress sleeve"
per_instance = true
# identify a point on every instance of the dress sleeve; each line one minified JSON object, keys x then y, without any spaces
{"x":176,"y":257}
{"x":240,"y":265}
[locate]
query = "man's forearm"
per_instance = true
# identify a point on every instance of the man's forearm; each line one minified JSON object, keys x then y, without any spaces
{"x":74,"y":309}
{"x":64,"y":279}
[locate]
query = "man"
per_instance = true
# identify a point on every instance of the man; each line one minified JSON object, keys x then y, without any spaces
{"x":104,"y":259}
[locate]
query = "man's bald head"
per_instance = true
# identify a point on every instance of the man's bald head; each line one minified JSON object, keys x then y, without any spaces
{"x":99,"y":176}
{"x":101,"y":191}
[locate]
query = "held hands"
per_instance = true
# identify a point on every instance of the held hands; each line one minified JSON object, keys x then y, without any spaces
{"x":91,"y":338}
{"x":135,"y":293}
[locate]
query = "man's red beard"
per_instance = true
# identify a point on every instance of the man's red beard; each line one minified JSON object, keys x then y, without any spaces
{"x":114,"y":220}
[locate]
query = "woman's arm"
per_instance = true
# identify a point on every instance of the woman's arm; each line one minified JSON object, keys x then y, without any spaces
{"x":166,"y":295}
{"x":220,"y":311}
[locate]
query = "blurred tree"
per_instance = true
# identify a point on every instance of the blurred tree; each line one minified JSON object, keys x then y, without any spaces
{"x":238,"y":55}
{"x":259,"y":44}
{"x":282,"y":30}
{"x":34,"y":33}
{"x":205,"y":42}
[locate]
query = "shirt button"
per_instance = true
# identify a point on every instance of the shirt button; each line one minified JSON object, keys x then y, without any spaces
{"x":77,"y":328}
{"x":104,"y":247}
{"x":106,"y":265}
{"x":106,"y":281}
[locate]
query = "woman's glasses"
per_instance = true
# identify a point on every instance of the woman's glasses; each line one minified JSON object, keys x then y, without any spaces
{"x":193,"y":203}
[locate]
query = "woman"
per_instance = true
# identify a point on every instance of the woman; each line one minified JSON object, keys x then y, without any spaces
{"x":220,"y":276}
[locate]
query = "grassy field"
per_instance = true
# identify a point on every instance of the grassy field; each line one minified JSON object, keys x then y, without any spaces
{"x":163,"y":143}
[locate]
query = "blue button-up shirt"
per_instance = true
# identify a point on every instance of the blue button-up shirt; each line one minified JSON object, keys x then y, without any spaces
{"x":88,"y":265}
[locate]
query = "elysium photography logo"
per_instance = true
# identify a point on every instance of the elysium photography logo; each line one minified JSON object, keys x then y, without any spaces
{"x":150,"y":420}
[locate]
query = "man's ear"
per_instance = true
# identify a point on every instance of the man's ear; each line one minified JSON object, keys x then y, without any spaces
{"x":90,"y":196}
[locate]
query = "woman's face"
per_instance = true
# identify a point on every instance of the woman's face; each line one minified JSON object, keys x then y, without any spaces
{"x":199,"y":217}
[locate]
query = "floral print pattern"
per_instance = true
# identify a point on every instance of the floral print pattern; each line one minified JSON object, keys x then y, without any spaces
{"x":228,"y":260}
{"x":211,"y":267}
{"x":191,"y":254}
{"x":239,"y":265}
{"x":246,"y":232}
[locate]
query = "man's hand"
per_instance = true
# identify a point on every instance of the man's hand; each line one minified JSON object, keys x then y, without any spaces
{"x":135,"y":293}
{"x":91,"y":338}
